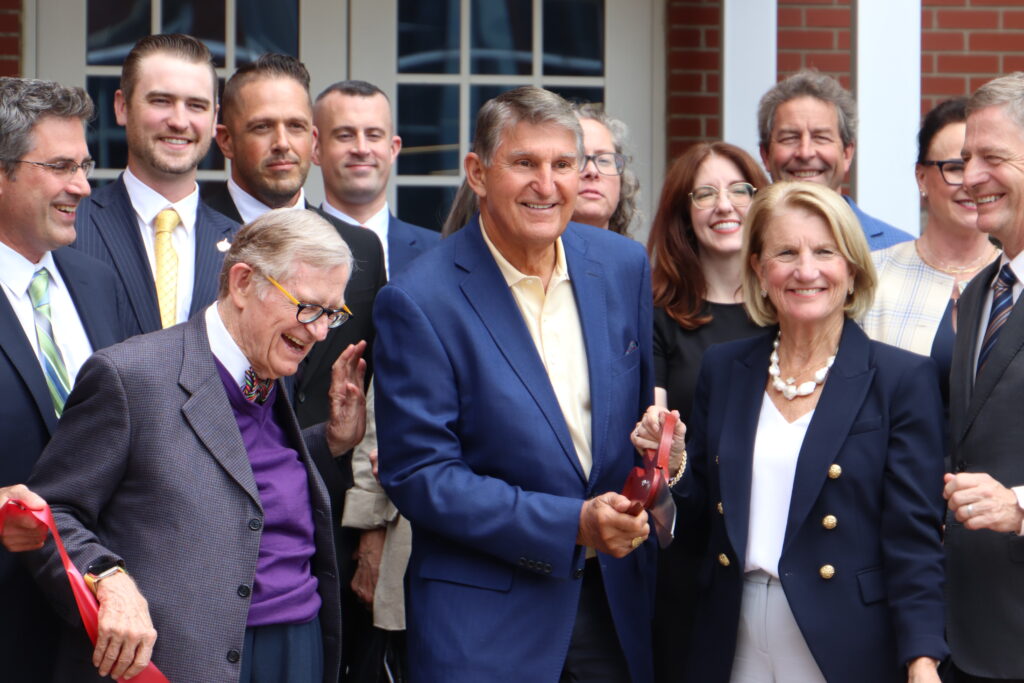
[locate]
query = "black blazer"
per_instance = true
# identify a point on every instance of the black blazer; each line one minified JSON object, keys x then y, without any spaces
{"x":986,"y":569}
{"x":109,"y":230}
{"x":27,"y":420}
{"x":879,"y":419}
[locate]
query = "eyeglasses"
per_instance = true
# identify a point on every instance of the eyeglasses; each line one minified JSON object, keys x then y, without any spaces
{"x":64,"y":169}
{"x":739,"y":194}
{"x":951,"y":170}
{"x":607,"y":163}
{"x":310,"y":313}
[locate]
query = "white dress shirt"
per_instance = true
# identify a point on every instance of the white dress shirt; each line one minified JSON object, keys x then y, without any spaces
{"x":147,"y":203}
{"x":776,"y":450}
{"x":250,"y":208}
{"x":16,"y":273}
{"x":224,"y":347}
{"x":378,"y":223}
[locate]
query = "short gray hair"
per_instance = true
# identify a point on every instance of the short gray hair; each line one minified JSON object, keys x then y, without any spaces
{"x":808,"y":83}
{"x":279,"y":240}
{"x":23,"y":102}
{"x":1005,"y":91}
{"x":526,"y":104}
{"x":629,"y":191}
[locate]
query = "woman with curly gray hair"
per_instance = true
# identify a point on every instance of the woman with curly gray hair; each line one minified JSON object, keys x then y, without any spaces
{"x":608,"y":187}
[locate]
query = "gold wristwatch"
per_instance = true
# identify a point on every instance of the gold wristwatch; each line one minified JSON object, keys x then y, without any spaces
{"x":102,"y":570}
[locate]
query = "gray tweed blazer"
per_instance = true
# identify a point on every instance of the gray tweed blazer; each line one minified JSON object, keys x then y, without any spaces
{"x":147,"y":465}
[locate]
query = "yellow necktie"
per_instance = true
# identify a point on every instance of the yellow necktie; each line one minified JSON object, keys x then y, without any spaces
{"x":166,"y":266}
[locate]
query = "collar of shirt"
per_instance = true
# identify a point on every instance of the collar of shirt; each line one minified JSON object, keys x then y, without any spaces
{"x":514,"y":276}
{"x":147,"y":202}
{"x":1017,"y":266}
{"x":224,"y":347}
{"x":378,"y":222}
{"x":16,"y":271}
{"x":250,"y":208}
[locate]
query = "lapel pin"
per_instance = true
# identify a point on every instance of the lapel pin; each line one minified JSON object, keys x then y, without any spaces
{"x":223,"y":245}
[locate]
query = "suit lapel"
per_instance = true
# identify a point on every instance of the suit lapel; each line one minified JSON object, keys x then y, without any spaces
{"x":208,"y":259}
{"x":489,"y":295}
{"x":961,"y":378}
{"x":838,"y":405}
{"x":90,"y":301}
{"x":118,"y":227}
{"x":22,"y":356}
{"x":1011,"y":340}
{"x":588,"y":283}
{"x":735,"y":448}
{"x":208,"y":410}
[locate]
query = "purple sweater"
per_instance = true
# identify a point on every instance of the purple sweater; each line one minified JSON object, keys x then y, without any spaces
{"x":284,"y":590}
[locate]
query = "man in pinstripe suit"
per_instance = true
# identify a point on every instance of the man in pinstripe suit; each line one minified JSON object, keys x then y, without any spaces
{"x":168,"y":105}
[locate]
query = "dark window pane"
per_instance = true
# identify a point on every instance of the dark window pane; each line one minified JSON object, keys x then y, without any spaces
{"x":200,"y":18}
{"x":502,"y":40}
{"x":266,"y":26}
{"x":105,"y":138}
{"x":428,"y":121}
{"x":573,"y":37}
{"x":426,"y":206}
{"x":428,"y":36}
{"x":113,"y":27}
{"x":107,"y":141}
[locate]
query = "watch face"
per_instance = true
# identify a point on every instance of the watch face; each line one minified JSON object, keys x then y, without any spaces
{"x":97,"y":568}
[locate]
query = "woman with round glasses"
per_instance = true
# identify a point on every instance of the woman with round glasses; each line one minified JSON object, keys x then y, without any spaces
{"x":696,"y":271}
{"x":608,"y":188}
{"x":920,"y":281}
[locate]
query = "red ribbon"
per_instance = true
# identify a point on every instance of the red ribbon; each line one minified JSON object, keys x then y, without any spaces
{"x":644,"y":484}
{"x":88,"y":608}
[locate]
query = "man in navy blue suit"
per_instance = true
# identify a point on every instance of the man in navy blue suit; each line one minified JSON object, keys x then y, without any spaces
{"x":355,"y":151}
{"x":166,"y":246}
{"x":510,"y":360}
{"x":57,"y":306}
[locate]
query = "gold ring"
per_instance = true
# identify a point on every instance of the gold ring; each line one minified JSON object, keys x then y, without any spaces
{"x":637,"y":541}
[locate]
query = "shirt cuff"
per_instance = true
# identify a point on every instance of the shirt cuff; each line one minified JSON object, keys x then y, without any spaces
{"x":1019,"y":492}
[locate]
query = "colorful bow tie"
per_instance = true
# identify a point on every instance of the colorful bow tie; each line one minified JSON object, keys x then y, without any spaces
{"x":256,"y":389}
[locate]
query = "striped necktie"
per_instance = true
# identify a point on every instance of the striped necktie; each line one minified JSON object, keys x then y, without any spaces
{"x":53,"y":363}
{"x":1002,"y":306}
{"x":166,"y":266}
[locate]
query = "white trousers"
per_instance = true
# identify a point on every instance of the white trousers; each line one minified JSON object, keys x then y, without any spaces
{"x":769,"y":645}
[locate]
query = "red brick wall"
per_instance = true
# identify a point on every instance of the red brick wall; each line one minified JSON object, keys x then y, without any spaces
{"x":10,"y":37}
{"x":965,"y":43}
{"x":694,"y":72}
{"x":815,"y":34}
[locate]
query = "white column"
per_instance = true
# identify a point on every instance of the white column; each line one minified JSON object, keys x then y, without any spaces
{"x":887,"y":85}
{"x":749,"y":49}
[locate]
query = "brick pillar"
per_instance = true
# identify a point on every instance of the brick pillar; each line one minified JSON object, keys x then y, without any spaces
{"x":694,"y":72}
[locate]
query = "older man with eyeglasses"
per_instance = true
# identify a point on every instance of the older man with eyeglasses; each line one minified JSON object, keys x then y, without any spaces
{"x":185,"y":489}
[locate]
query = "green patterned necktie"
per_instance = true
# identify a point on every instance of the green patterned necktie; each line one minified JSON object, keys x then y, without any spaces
{"x":53,"y":364}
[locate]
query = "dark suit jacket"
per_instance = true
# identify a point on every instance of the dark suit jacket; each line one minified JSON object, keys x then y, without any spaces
{"x":27,"y":421}
{"x":109,"y":230}
{"x":475,"y":452}
{"x":986,"y":569}
{"x":879,"y":418}
{"x":148,"y":466}
{"x":405,"y":242}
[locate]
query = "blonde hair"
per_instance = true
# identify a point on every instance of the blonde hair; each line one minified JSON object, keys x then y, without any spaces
{"x":827,"y":204}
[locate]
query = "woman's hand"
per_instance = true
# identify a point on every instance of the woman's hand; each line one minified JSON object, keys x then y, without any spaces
{"x":923,"y":670}
{"x":647,"y":435}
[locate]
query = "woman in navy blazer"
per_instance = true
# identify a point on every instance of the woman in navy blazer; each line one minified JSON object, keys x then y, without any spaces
{"x":815,"y":470}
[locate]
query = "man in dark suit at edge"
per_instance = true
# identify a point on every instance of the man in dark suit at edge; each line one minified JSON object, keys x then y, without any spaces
{"x":149,"y":224}
{"x":58,"y":306}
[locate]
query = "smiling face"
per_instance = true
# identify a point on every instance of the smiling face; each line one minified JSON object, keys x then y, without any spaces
{"x":599,"y":194}
{"x":528,"y":192}
{"x":268,"y":135}
{"x":266,"y":330}
{"x":169,"y":121}
{"x":355,"y":150}
{"x":801,"y":268}
{"x":994,"y":175}
{"x":37,"y":206}
{"x":949,"y":206}
{"x":718,"y":229}
{"x":805,"y":143}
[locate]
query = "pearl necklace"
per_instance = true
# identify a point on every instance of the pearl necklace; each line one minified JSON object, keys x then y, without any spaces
{"x":789,"y":389}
